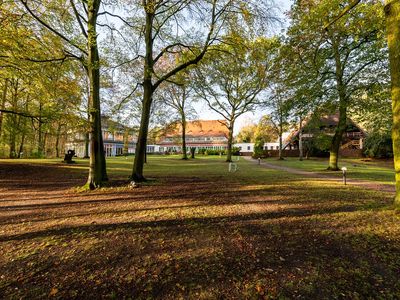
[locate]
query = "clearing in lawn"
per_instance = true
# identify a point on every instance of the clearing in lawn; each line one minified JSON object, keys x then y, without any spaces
{"x":194,"y":231}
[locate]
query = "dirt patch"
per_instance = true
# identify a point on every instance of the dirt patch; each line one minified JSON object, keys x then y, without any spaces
{"x":192,"y":238}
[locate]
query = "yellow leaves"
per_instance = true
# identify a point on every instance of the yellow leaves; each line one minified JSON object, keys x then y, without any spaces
{"x":245,"y":12}
{"x":53,"y":292}
{"x":149,"y":6}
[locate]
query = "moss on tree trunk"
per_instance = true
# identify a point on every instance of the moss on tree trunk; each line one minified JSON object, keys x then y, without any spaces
{"x":337,"y":138}
{"x":392,"y":12}
{"x":342,"y":123}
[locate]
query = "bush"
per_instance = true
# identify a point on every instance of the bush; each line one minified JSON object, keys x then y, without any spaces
{"x":378,"y":145}
{"x":317,"y":146}
{"x":210,"y":151}
{"x":235,"y":151}
{"x":259,"y":148}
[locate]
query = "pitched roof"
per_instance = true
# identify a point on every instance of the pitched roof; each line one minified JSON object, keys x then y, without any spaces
{"x":326,"y":120}
{"x":210,"y":128}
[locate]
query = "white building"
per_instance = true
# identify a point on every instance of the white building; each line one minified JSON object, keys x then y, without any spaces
{"x":115,"y":137}
{"x":245,"y":148}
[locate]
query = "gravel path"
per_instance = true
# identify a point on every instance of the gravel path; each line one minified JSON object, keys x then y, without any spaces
{"x":357,"y":182}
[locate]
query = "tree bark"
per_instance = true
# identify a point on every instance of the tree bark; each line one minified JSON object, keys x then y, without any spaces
{"x":140,"y":153}
{"x":97,"y":164}
{"x":3,"y":104}
{"x":44,"y":143}
{"x":58,"y":140}
{"x":280,"y":139}
{"x":126,"y":142}
{"x":301,"y":140}
{"x":342,"y":123}
{"x":87,"y":138}
{"x":230,"y":141}
{"x":40,"y":131}
{"x":13,"y":129}
{"x":12,"y":146}
{"x":183,"y":123}
{"x":148,"y":89}
{"x":21,"y":146}
{"x":392,"y":12}
{"x":192,"y":152}
{"x":184,"y":150}
{"x":337,"y":138}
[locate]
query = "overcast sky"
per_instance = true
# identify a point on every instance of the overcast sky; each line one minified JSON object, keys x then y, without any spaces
{"x":205,"y":114}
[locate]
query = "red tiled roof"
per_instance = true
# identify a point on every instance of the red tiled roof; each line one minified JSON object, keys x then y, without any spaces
{"x":201,"y":128}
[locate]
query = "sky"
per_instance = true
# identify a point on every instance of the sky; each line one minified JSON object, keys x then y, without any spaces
{"x":204,"y":113}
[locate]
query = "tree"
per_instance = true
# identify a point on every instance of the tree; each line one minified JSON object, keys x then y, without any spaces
{"x":176,"y":95}
{"x":231,"y":79}
{"x":278,"y":106}
{"x":247,"y":134}
{"x":160,"y":17}
{"x":84,"y":48}
{"x":345,"y":57}
{"x":266,"y":129}
{"x":39,"y":95}
{"x":392,"y":12}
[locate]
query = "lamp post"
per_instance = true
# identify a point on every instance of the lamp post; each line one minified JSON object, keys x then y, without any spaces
{"x":344,"y":170}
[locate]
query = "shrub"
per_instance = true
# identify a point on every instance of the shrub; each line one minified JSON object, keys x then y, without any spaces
{"x":259,"y":148}
{"x":378,"y":145}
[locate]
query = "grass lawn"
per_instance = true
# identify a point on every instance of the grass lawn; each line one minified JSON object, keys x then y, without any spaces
{"x":374,"y":170}
{"x":194,"y":231}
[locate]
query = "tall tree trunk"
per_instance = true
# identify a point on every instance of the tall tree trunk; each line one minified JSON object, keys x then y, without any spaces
{"x":392,"y":12}
{"x":14,"y":121}
{"x":126,"y":141}
{"x":3,"y":104}
{"x":40,"y":132}
{"x":140,"y":153}
{"x":12,"y":146}
{"x":301,"y":140}
{"x":148,"y":89}
{"x":87,"y":138}
{"x":337,"y":138}
{"x":97,"y":164}
{"x":342,"y":124}
{"x":21,"y":146}
{"x":183,"y":121}
{"x":280,"y":139}
{"x":46,"y":134}
{"x":58,"y":140}
{"x":230,"y":141}
{"x":87,"y":144}
{"x":184,"y":150}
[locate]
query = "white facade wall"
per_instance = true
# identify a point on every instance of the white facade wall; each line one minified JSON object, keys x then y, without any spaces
{"x":271,"y":146}
{"x":245,"y":147}
{"x":110,"y":149}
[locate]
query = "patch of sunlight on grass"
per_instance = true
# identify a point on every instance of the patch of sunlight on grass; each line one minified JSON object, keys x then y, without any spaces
{"x":357,"y":168}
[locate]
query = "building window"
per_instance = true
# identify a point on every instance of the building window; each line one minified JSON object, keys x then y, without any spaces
{"x":248,"y":148}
